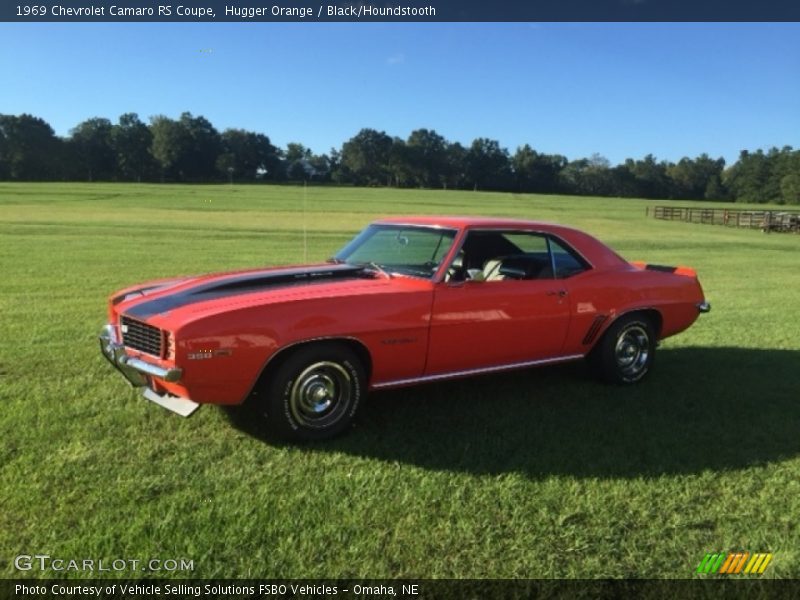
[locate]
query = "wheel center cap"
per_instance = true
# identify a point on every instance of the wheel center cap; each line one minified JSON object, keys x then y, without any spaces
{"x":319,"y":394}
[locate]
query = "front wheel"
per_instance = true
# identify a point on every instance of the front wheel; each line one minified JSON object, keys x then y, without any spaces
{"x":626,"y":351}
{"x":315,"y":393}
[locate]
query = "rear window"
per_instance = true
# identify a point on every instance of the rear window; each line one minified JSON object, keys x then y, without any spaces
{"x":567,"y":262}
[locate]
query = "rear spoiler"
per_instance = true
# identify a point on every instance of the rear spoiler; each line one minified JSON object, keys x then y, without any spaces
{"x":685,"y":271}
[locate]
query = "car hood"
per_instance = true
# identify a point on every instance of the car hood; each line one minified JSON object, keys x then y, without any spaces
{"x":222,"y":289}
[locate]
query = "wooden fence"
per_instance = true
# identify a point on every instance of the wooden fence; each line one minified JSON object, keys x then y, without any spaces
{"x":765,"y":220}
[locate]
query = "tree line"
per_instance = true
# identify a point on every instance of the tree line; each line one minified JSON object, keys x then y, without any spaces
{"x":191,"y":149}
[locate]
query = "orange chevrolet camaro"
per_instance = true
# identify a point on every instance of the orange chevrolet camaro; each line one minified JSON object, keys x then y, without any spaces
{"x":408,"y":300}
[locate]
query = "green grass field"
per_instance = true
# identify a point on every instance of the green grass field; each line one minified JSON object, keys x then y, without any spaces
{"x":539,"y":473}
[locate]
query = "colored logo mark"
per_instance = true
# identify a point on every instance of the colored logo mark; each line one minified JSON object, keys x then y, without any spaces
{"x":734,"y":563}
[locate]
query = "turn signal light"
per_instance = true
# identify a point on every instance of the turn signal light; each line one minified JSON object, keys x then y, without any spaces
{"x":170,"y":346}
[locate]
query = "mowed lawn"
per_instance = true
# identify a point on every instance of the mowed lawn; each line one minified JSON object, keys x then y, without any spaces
{"x":539,"y":473}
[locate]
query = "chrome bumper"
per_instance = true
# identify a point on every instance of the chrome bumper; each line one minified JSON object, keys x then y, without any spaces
{"x":704,"y":307}
{"x":136,"y":371}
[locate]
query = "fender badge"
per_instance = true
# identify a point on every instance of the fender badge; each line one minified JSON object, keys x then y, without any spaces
{"x":206,"y":354}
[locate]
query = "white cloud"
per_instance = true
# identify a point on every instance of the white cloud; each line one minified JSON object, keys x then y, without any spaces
{"x":397,"y":58}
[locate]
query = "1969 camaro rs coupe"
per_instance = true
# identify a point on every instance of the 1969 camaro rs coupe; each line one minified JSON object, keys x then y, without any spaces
{"x":408,"y":300}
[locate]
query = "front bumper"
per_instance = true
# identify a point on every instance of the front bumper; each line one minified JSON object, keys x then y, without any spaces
{"x":138,"y":372}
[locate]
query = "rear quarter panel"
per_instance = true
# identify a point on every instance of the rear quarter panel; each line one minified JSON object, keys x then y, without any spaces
{"x":616,"y":292}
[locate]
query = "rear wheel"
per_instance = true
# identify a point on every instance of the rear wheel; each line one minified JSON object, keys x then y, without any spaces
{"x":626,"y":351}
{"x":314,"y":393}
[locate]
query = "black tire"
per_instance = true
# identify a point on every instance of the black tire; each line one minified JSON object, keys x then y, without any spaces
{"x":625,"y":353}
{"x":314,"y":393}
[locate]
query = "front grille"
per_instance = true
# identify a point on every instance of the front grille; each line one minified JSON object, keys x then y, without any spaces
{"x":141,"y":336}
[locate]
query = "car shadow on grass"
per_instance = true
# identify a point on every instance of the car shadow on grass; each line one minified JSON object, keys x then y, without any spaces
{"x":699,"y":409}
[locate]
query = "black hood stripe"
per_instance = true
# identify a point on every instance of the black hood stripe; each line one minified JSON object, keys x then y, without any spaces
{"x":245,"y":284}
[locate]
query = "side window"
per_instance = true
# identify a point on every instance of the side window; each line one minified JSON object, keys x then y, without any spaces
{"x":566,"y":260}
{"x":528,"y":243}
{"x":510,"y":255}
{"x":514,"y":255}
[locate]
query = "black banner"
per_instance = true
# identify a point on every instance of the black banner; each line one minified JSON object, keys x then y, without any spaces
{"x":460,"y":589}
{"x":398,"y":10}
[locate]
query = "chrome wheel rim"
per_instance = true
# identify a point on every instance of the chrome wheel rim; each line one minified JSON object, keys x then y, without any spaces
{"x":632,"y":351}
{"x":321,"y":394}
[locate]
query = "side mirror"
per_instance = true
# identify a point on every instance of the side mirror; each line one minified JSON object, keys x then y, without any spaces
{"x":476,"y":275}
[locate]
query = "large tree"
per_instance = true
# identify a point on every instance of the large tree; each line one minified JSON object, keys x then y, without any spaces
{"x":297,"y":162}
{"x":456,"y":166}
{"x":697,"y":178}
{"x":426,"y":158}
{"x":199,"y":162}
{"x":30,"y":150}
{"x":248,"y":156}
{"x":761,"y":176}
{"x":535,"y":172}
{"x":651,"y":177}
{"x":190,"y":149}
{"x":400,"y":172}
{"x":488,"y":165}
{"x":91,"y":142}
{"x":366,"y":157}
{"x":131,"y":141}
{"x":748,"y":178}
{"x":170,"y":145}
{"x":790,"y":188}
{"x":187,"y":149}
{"x":4,"y":165}
{"x":591,"y":176}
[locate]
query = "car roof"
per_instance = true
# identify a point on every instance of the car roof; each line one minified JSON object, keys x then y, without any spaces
{"x":588,"y":246}
{"x":469,"y":222}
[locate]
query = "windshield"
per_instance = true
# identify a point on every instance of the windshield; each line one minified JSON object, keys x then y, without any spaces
{"x":405,"y":249}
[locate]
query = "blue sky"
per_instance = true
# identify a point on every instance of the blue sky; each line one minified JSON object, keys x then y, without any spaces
{"x":621,"y":90}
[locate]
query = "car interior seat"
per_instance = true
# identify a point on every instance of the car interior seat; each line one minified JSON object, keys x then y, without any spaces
{"x":491,"y":270}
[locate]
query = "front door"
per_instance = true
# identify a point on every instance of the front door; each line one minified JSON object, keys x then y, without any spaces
{"x":509,"y":308}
